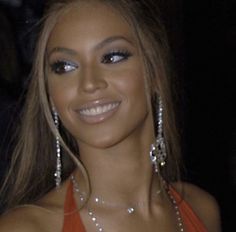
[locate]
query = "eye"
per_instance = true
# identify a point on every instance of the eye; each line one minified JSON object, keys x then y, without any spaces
{"x":115,"y":57}
{"x":61,"y":67}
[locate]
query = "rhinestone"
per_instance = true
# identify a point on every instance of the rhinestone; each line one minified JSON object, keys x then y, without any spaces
{"x":130,"y":210}
{"x":176,"y":208}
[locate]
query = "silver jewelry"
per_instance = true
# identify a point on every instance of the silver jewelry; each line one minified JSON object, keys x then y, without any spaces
{"x":130,"y":210}
{"x":176,"y":207}
{"x":94,"y":219}
{"x":178,"y":215}
{"x":158,"y":149}
{"x":99,"y":200}
{"x":58,"y":171}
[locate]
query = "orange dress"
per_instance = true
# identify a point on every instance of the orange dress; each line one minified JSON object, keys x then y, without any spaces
{"x":73,"y":222}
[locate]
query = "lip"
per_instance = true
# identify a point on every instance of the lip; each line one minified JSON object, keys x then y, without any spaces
{"x":97,"y":111}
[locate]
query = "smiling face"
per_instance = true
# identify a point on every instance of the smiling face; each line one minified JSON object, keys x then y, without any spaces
{"x":96,"y":76}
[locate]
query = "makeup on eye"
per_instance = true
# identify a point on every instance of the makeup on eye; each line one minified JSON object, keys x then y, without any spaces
{"x":115,"y":56}
{"x":62,"y":66}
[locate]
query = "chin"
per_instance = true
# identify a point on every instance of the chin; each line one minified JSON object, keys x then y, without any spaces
{"x":100,"y":142}
{"x":104,"y":143}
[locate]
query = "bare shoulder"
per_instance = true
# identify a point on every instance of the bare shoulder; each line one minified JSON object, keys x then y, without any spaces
{"x":204,"y":205}
{"x":45,"y":215}
{"x":19,"y":220}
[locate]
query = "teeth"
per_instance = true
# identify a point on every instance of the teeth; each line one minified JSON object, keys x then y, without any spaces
{"x":98,"y":110}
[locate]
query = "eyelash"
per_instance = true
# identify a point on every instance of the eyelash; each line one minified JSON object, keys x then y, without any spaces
{"x":61,"y":66}
{"x":108,"y":58}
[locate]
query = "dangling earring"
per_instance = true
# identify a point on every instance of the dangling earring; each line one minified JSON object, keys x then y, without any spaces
{"x":158,"y":149}
{"x":57,"y":173}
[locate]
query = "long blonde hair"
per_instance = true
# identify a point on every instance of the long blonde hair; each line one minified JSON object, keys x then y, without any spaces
{"x":33,"y":162}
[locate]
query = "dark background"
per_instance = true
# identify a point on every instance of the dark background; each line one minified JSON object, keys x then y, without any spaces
{"x":202,"y":36}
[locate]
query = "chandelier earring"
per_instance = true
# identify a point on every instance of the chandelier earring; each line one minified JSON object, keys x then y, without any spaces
{"x":58,"y":170}
{"x":158,"y":148}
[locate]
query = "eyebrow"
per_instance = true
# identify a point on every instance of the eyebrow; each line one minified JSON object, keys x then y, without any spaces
{"x":97,"y":47}
{"x":110,"y":40}
{"x":63,"y":50}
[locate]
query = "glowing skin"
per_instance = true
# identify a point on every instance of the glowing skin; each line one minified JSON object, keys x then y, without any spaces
{"x":96,"y":77}
{"x":96,"y":82}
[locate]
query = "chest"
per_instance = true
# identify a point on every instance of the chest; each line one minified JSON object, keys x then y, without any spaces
{"x":119,"y":222}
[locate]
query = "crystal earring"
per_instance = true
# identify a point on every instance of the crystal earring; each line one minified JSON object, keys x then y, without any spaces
{"x":158,"y":149}
{"x":58,"y":171}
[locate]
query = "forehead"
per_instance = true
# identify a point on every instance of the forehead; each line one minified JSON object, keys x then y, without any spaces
{"x":91,"y":21}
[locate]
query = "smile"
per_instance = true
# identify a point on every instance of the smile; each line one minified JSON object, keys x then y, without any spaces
{"x":98,"y":110}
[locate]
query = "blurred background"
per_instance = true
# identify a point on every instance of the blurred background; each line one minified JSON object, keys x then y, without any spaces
{"x":202,"y":37}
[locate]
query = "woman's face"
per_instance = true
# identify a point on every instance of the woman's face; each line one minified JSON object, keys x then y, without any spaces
{"x":96,"y":76}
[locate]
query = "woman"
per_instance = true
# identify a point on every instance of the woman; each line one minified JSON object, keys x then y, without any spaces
{"x":99,"y":89}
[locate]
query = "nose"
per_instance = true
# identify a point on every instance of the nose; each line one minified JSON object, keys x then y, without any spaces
{"x":92,"y":79}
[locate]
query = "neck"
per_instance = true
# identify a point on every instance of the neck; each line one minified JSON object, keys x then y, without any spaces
{"x":122,"y":174}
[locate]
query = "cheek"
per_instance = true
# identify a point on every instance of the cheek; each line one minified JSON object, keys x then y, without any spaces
{"x":61,"y":99}
{"x":61,"y":94}
{"x":60,"y":90}
{"x":133,"y":86}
